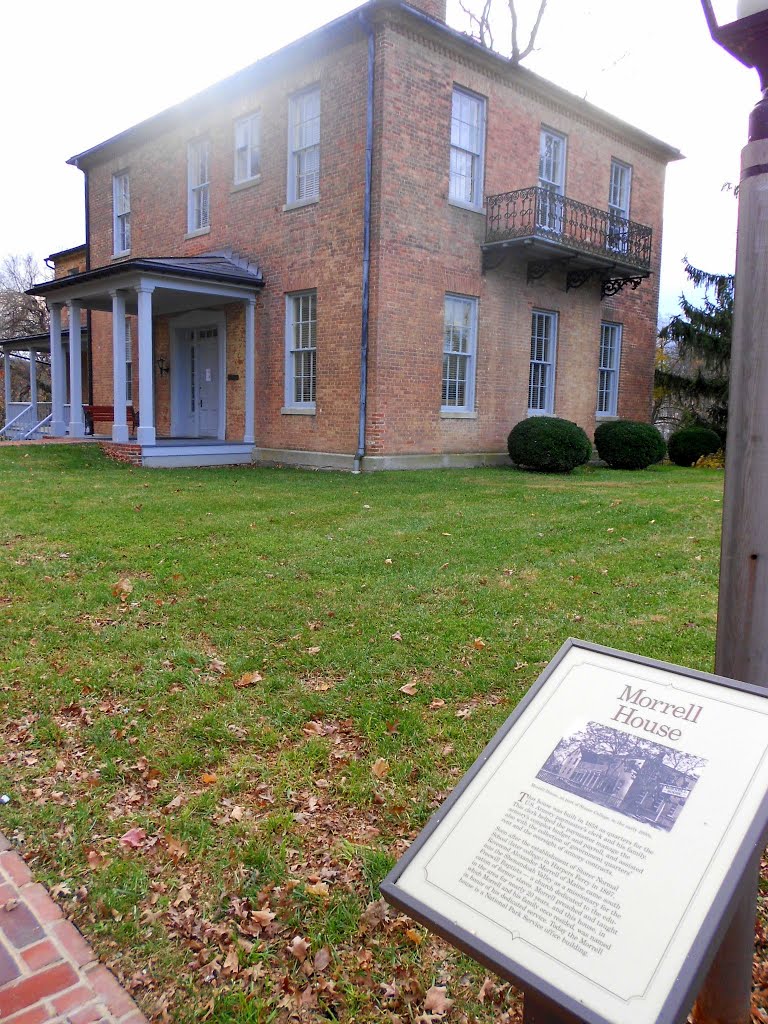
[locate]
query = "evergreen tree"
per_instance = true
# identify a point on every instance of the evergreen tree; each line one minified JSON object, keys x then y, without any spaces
{"x":693,"y":362}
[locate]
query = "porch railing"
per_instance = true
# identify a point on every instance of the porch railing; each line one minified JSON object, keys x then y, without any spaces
{"x":27,"y":421}
{"x":541,"y":213}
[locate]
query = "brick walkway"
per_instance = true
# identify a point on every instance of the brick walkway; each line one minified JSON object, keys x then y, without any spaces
{"x":48,"y":972}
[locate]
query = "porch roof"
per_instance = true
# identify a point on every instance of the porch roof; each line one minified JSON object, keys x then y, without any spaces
{"x":38,"y":342}
{"x":180,"y":282}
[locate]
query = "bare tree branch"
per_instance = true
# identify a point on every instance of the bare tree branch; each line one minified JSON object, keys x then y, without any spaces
{"x":480,"y":23}
{"x":517,"y":54}
{"x":21,"y":314}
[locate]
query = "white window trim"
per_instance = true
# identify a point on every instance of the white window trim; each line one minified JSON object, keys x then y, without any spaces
{"x":612,"y":411}
{"x":253,"y":122}
{"x":194,"y":186}
{"x":555,"y":186}
{"x":292,"y":198}
{"x":291,"y":405}
{"x":552,"y":362}
{"x":623,"y":212}
{"x":118,"y":250}
{"x":478,"y":203}
{"x":471,"y":356}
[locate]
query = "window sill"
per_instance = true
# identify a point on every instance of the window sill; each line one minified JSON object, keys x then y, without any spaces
{"x":121,"y":255}
{"x":458,"y":414}
{"x":198,"y":233}
{"x":606,"y":416}
{"x":296,"y":410}
{"x":297,"y":204}
{"x":467,"y":206}
{"x":240,"y":186}
{"x":541,"y":412}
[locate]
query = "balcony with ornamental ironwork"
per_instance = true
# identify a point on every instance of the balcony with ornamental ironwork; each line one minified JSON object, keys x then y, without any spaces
{"x":552,"y":231}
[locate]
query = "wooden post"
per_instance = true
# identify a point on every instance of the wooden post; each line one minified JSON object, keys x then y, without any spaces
{"x":742,"y":618}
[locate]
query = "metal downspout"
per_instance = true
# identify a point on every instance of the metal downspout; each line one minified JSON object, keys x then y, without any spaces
{"x":88,"y":323}
{"x":366,"y":250}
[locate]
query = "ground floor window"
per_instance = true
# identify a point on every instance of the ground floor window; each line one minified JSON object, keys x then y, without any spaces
{"x":459,"y":346}
{"x":541,"y":378}
{"x":301,"y":350}
{"x":608,"y":377}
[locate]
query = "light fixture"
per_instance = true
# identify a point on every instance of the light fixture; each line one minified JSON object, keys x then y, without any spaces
{"x":746,"y":39}
{"x":163,"y":368}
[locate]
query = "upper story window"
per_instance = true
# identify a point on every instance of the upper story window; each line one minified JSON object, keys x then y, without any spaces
{"x":301,"y":351}
{"x":121,"y":214}
{"x":198,"y":186}
{"x":619,"y":192}
{"x":304,"y":147}
{"x":467,"y":148}
{"x":541,"y":379}
{"x":552,"y":153}
{"x":247,"y":148}
{"x":608,"y":374}
{"x":459,"y":347}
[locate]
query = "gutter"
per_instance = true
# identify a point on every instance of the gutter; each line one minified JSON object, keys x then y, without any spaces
{"x":365,"y":303}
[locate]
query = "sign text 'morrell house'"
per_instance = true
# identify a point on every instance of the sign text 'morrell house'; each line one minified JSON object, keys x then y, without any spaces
{"x":626,"y":715}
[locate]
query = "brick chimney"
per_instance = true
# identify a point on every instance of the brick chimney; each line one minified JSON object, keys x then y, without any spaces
{"x":434,"y":8}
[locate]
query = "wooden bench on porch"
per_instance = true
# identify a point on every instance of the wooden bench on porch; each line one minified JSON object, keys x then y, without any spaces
{"x":106,"y":414}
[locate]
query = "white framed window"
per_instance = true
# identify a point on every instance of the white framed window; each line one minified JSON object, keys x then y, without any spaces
{"x":128,"y":364}
{"x":619,"y":192}
{"x":608,"y":373}
{"x":121,"y":214}
{"x":467,"y":148}
{"x":247,"y":148}
{"x":198,"y":186}
{"x":541,"y":378}
{"x":459,"y":348}
{"x":552,"y":154}
{"x":301,"y":350}
{"x":304,"y":146}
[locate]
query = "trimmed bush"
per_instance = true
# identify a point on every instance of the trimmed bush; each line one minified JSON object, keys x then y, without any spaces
{"x":687,"y":446}
{"x":548,"y":444}
{"x":627,"y":444}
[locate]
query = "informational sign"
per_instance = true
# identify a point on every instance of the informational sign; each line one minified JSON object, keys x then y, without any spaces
{"x":592,"y":851}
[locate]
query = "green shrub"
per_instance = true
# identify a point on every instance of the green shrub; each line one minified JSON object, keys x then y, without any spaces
{"x":626,"y":444}
{"x":686,"y":446}
{"x":548,"y":444}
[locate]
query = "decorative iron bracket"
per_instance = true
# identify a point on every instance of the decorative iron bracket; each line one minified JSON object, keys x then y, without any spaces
{"x":613,"y":285}
{"x":537,"y":269}
{"x":492,"y":260}
{"x":577,"y":278}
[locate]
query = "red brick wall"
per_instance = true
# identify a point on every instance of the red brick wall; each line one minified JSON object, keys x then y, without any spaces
{"x":422,"y":247}
{"x":318,"y":246}
{"x":429,"y":247}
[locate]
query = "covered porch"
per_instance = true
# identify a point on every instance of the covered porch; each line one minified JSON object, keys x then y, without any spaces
{"x":168,"y":350}
{"x":26,"y":387}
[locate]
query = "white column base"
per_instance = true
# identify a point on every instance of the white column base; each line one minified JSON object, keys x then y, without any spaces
{"x":76,"y":429}
{"x":58,"y":428}
{"x":120,"y":433}
{"x":146,"y":435}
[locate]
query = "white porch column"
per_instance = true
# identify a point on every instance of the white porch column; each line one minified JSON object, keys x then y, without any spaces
{"x":33,"y":381}
{"x":7,"y":384}
{"x":145,"y":434}
{"x":76,"y":421}
{"x":250,"y":370}
{"x":120,"y":423}
{"x":58,"y":373}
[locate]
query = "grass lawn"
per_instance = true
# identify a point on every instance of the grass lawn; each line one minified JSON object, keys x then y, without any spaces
{"x":275,"y":676}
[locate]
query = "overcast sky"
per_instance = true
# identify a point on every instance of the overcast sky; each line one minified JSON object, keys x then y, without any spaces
{"x":75,"y":73}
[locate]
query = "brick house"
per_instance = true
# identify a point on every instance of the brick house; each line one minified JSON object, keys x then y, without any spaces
{"x":380,"y":247}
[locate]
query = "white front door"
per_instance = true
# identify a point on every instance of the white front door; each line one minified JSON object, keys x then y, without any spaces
{"x":196,"y":403}
{"x":204,"y":382}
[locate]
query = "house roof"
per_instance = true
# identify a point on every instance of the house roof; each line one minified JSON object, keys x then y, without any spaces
{"x":36,"y":341}
{"x":223,"y":267}
{"x":67,"y":252}
{"x":306,"y":46}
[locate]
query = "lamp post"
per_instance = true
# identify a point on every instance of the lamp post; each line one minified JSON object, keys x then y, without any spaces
{"x":742,"y":620}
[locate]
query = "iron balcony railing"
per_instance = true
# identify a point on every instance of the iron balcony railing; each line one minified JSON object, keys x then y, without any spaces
{"x":543,"y":214}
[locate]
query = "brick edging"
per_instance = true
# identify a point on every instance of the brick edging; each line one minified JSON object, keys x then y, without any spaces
{"x":47,"y":969}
